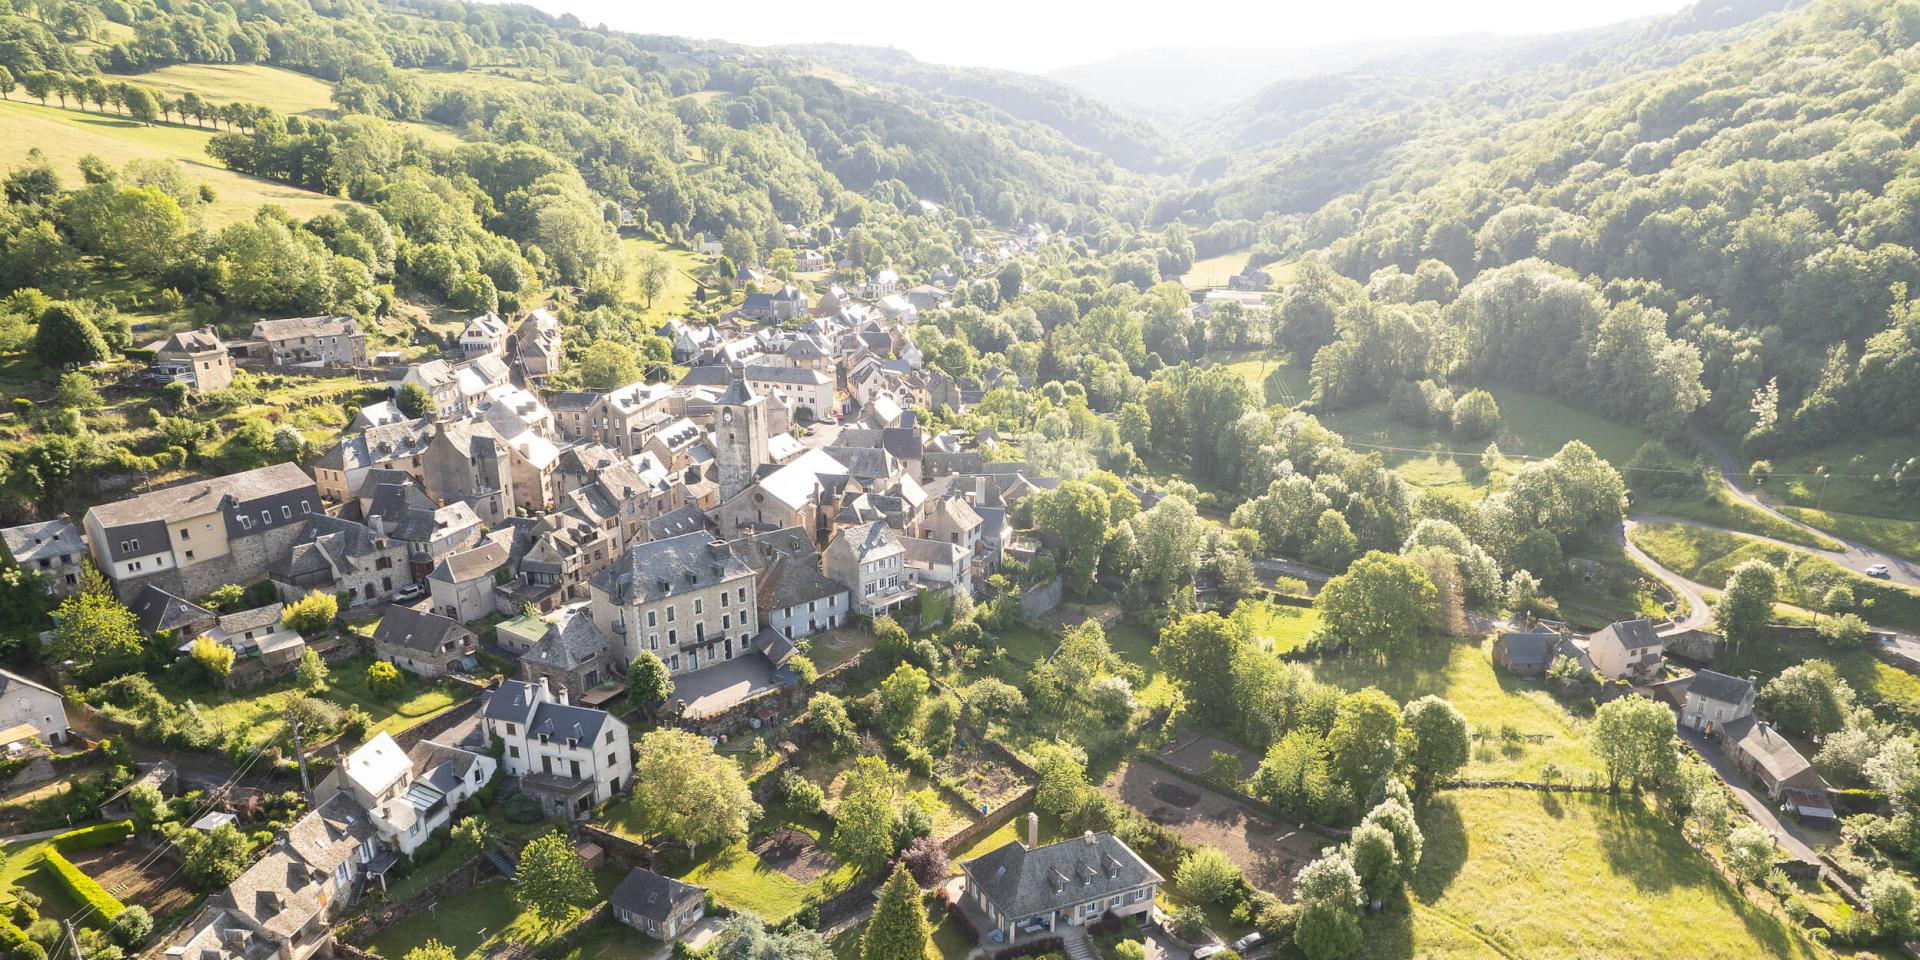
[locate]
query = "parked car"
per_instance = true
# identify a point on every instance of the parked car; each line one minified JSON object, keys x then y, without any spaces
{"x":1879,"y":571}
{"x":409,"y":593}
{"x":1207,"y":951}
{"x":1247,"y":942}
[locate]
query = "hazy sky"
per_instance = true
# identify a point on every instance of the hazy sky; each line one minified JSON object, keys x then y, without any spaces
{"x":1039,"y":35}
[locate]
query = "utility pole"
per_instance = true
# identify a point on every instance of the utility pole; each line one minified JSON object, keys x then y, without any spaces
{"x":73,"y":940}
{"x":300,"y":754}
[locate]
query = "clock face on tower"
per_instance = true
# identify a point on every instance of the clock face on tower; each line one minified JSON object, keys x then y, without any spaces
{"x":727,"y":417}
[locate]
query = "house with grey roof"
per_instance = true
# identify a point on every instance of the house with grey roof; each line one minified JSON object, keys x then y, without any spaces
{"x":688,"y":600}
{"x":283,"y":906}
{"x":1024,"y":889}
{"x":194,"y":537}
{"x":159,"y":611}
{"x":1628,"y":650}
{"x":312,"y":341}
{"x":31,"y":705}
{"x":573,"y":655}
{"x":263,"y":646}
{"x":54,"y":549}
{"x":1526,"y":653}
{"x":336,"y":555}
{"x":870,"y":560}
{"x":1715,"y":699}
{"x":424,"y":644}
{"x":570,"y":758}
{"x":796,"y":600}
{"x":1767,"y":758}
{"x":201,"y":355}
{"x":407,"y":794}
{"x":462,"y":583}
{"x":660,"y":907}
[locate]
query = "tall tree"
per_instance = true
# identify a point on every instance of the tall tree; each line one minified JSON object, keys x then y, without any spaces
{"x":1746,"y":607}
{"x":1377,"y":607}
{"x":1633,"y":736}
{"x":1439,"y":741}
{"x":66,"y":336}
{"x":898,"y":928}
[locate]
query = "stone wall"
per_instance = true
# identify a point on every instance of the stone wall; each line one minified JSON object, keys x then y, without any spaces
{"x":1037,"y":602}
{"x":434,"y":726}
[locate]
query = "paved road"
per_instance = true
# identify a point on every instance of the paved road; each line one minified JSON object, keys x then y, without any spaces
{"x":1855,"y":556}
{"x":1762,"y":810}
{"x":1699,"y":615}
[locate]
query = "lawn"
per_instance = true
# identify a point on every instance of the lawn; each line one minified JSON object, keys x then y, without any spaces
{"x":1520,"y":874}
{"x":1492,"y":701}
{"x":261,"y":710}
{"x":1898,"y":537}
{"x":1531,"y":426}
{"x":1025,"y":643}
{"x":739,"y":879}
{"x":477,"y":922}
{"x":24,"y":869}
{"x":66,"y":135}
{"x":286,"y":91}
{"x":1278,"y":626}
{"x":1214,"y":271}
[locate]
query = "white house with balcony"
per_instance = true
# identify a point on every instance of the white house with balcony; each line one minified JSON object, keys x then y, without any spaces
{"x":408,"y":794}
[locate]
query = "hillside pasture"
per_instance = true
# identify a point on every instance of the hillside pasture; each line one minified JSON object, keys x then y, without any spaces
{"x":1504,"y":874}
{"x":276,"y":88}
{"x":65,"y":135}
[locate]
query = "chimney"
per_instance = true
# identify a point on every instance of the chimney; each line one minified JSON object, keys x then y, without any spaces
{"x":560,"y":696}
{"x":1033,"y":830}
{"x":546,"y":690}
{"x":1089,"y":838}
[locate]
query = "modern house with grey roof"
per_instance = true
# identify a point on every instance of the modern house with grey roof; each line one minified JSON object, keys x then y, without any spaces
{"x":463,"y":583}
{"x":53,"y":549}
{"x":408,"y":794}
{"x":660,"y":907}
{"x":570,"y":758}
{"x":1023,"y":889}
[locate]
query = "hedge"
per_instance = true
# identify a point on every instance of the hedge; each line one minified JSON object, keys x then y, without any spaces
{"x":98,"y":835}
{"x":84,"y":888}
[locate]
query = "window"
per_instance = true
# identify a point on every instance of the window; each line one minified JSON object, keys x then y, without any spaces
{"x":1115,"y":902}
{"x":611,"y":762}
{"x":743,"y":594}
{"x":673,"y":638}
{"x":266,"y":517}
{"x":186,"y":534}
{"x":306,"y":507}
{"x":609,"y":736}
{"x":698,"y":608}
{"x":189,"y":554}
{"x":669,"y":614}
{"x":726,"y":621}
{"x":286,"y":512}
{"x":513,"y":752}
{"x":650,"y":618}
{"x":653,"y":641}
{"x":509,"y":729}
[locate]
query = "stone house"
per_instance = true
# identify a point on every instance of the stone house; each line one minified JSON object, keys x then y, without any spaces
{"x":315,"y":341}
{"x":463,"y":583}
{"x":196,"y":536}
{"x":424,"y":644}
{"x":53,"y":549}
{"x":688,"y":599}
{"x":870,"y":560}
{"x":201,"y":354}
{"x":660,"y":907}
{"x":1026,"y":888}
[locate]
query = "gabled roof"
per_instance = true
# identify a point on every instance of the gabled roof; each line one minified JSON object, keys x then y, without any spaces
{"x":198,"y":497}
{"x":572,"y":642}
{"x":1717,"y":686}
{"x":1631,"y":634}
{"x":49,"y":539}
{"x":663,"y":568}
{"x":415,"y":629}
{"x":159,"y":610}
{"x":1529,"y":647}
{"x":481,"y":561}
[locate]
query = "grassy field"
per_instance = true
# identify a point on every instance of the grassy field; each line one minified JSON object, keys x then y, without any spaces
{"x":261,"y":710}
{"x":1519,"y":874}
{"x":1492,"y":701}
{"x":1280,"y":626}
{"x":1214,"y":271}
{"x":283,"y":90}
{"x":1898,"y":537}
{"x":680,"y":288}
{"x":1532,"y":426}
{"x":743,"y":882}
{"x":1274,"y":379}
{"x":479,"y":921}
{"x":1737,"y":515}
{"x":64,"y":136}
{"x":1709,"y":556}
{"x":1849,"y":486}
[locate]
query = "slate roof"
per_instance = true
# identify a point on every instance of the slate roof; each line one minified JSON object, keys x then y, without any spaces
{"x":9,"y":680}
{"x":1529,"y":647}
{"x":1718,"y":686}
{"x":677,"y":522}
{"x":48,"y":540}
{"x":159,"y":610}
{"x":191,"y":341}
{"x":197,"y":497}
{"x":481,"y":561}
{"x":664,"y":568}
{"x":414,"y":629}
{"x":1023,"y":882}
{"x":1764,"y":746}
{"x":573,"y":642}
{"x":306,"y":327}
{"x":1632,"y":634}
{"x":240,"y":623}
{"x":564,"y":721}
{"x":651,"y":896}
{"x":770,"y":373}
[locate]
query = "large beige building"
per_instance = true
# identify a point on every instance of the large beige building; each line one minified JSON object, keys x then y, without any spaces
{"x":189,"y":539}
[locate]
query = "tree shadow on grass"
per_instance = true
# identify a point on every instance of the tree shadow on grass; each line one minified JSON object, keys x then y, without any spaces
{"x":1444,"y":852}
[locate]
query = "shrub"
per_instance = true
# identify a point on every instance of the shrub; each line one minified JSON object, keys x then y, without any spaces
{"x":1208,"y":875}
{"x":132,"y":927}
{"x":521,"y":808}
{"x":98,"y":835}
{"x":84,"y":888}
{"x":1032,"y":948}
{"x":383,"y":679}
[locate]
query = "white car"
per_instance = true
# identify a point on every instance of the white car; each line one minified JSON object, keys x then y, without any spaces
{"x":1879,"y":572}
{"x":1247,"y":942}
{"x":1207,"y":951}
